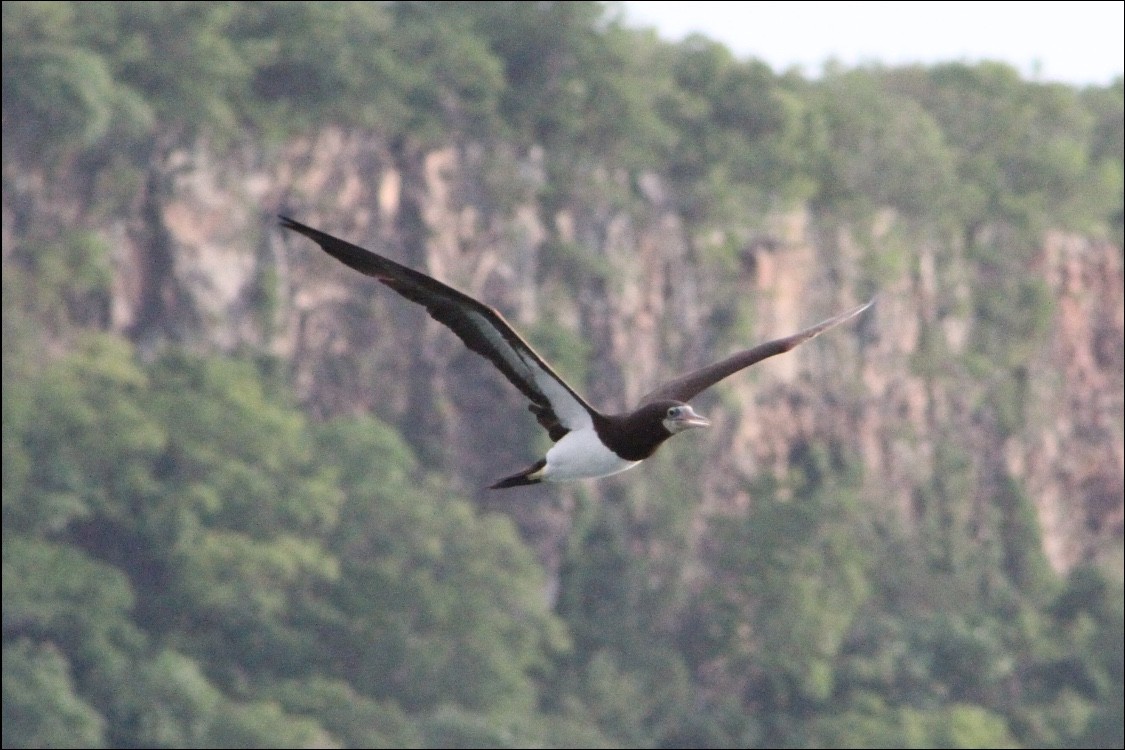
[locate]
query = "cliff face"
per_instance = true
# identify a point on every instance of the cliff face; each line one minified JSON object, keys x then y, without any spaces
{"x":1073,"y":461}
{"x":627,"y":287}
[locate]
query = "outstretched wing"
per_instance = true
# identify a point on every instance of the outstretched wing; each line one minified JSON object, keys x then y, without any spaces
{"x":555,"y":404}
{"x":687,"y":386}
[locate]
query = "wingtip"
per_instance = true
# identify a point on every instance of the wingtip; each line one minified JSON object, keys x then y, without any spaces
{"x":295,"y":226}
{"x":859,"y":310}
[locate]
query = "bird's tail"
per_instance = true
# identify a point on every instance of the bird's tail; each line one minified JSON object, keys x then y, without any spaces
{"x":530,"y":475}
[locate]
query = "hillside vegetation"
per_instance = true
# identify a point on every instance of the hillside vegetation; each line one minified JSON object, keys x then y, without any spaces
{"x":215,"y":543}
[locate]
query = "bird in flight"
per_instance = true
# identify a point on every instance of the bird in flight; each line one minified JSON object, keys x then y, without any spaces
{"x":587,"y":443}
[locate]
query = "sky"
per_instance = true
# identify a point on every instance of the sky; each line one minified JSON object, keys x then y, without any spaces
{"x":1071,"y":42}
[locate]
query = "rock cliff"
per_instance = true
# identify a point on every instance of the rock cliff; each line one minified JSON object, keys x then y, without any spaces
{"x":620,"y":291}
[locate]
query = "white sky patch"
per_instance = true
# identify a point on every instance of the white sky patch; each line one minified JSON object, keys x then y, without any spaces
{"x":1071,"y":42}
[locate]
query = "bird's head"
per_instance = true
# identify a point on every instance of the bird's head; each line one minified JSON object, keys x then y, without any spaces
{"x":679,"y":417}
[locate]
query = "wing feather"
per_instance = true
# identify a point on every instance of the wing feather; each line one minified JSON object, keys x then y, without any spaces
{"x":482,"y":328}
{"x":688,"y":386}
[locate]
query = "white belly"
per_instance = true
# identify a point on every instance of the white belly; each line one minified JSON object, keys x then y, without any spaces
{"x":580,"y":455}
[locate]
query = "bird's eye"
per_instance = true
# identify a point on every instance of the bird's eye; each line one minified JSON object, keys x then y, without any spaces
{"x":673,"y":412}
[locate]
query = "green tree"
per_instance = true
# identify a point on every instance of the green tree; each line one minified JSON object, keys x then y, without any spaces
{"x":882,"y":150}
{"x":434,"y":603}
{"x":41,"y":708}
{"x":787,"y":583}
{"x":738,"y":133}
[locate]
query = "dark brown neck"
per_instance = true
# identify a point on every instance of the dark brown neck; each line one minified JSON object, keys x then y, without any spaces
{"x":634,"y":436}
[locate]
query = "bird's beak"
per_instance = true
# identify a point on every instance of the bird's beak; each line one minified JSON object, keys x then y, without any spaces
{"x":688,"y":420}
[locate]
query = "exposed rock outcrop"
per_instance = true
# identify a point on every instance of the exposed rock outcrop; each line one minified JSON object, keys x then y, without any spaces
{"x":200,"y":260}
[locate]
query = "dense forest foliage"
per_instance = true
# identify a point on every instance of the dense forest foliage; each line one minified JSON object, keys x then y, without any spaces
{"x":190,"y":559}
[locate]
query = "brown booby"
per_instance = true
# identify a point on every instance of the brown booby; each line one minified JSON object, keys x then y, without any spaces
{"x":588,"y":443}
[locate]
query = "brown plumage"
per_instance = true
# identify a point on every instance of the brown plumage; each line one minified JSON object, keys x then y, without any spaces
{"x":588,"y":443}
